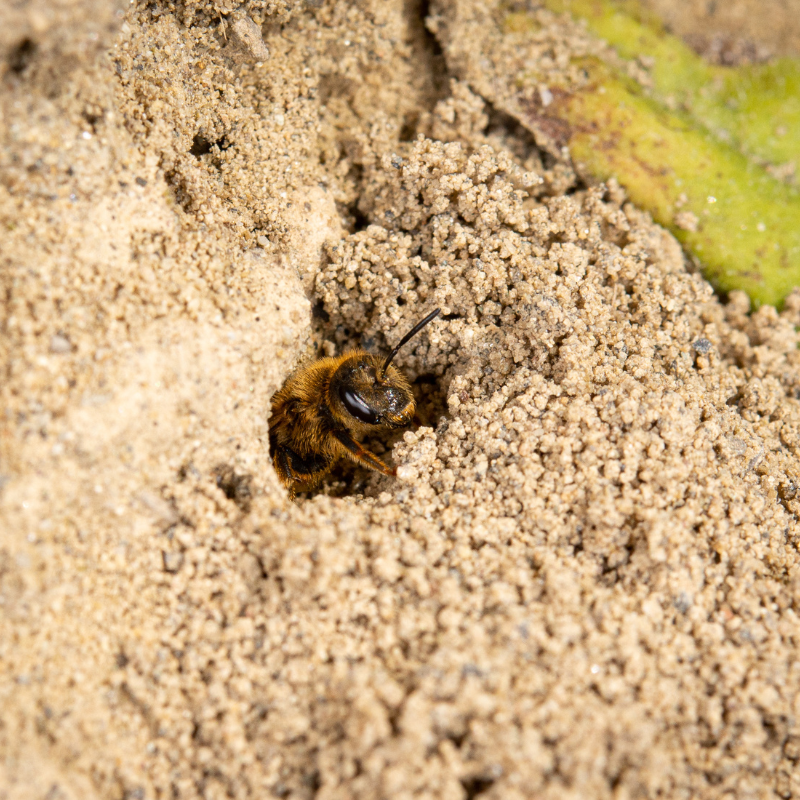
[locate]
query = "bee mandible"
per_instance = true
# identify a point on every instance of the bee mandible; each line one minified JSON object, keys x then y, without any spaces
{"x":324,"y":408}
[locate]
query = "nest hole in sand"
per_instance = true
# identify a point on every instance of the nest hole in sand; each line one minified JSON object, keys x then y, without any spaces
{"x":430,"y":395}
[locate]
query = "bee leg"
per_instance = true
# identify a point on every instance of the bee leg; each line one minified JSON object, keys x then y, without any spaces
{"x":355,"y":452}
{"x":281,"y":463}
{"x":300,"y":474}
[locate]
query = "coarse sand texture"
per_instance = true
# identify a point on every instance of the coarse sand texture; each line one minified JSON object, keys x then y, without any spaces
{"x":583,"y":583}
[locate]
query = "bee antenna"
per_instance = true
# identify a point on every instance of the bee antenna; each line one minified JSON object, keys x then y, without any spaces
{"x":413,"y":332}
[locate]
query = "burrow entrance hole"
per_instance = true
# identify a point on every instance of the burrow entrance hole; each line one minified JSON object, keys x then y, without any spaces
{"x":430,"y":396}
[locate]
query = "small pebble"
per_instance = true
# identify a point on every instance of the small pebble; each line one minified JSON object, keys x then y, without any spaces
{"x":247,"y":44}
{"x":172,"y":561}
{"x":407,"y":474}
{"x":702,"y":346}
{"x":60,"y":344}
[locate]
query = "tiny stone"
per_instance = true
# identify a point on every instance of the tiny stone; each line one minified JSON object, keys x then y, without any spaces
{"x":141,"y":181}
{"x":247,"y":43}
{"x":682,"y":603}
{"x":172,"y":561}
{"x":702,"y":346}
{"x":407,"y":474}
{"x":60,"y":344}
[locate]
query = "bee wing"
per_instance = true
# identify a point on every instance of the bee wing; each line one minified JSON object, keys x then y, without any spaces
{"x":300,"y":472}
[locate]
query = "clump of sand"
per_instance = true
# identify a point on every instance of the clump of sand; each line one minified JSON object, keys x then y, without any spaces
{"x":583,"y":582}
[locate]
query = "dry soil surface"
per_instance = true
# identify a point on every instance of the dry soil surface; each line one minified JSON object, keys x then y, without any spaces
{"x":585,"y":580}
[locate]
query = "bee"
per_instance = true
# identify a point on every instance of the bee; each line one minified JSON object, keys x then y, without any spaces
{"x":324,"y":408}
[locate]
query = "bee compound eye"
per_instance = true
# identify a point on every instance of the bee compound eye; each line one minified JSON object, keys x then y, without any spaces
{"x":357,"y":407}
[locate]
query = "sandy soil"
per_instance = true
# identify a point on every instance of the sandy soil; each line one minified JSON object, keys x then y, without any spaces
{"x":733,"y":31}
{"x":585,"y":580}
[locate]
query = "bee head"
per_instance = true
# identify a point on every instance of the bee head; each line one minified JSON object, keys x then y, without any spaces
{"x":367,"y":401}
{"x":371,"y":392}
